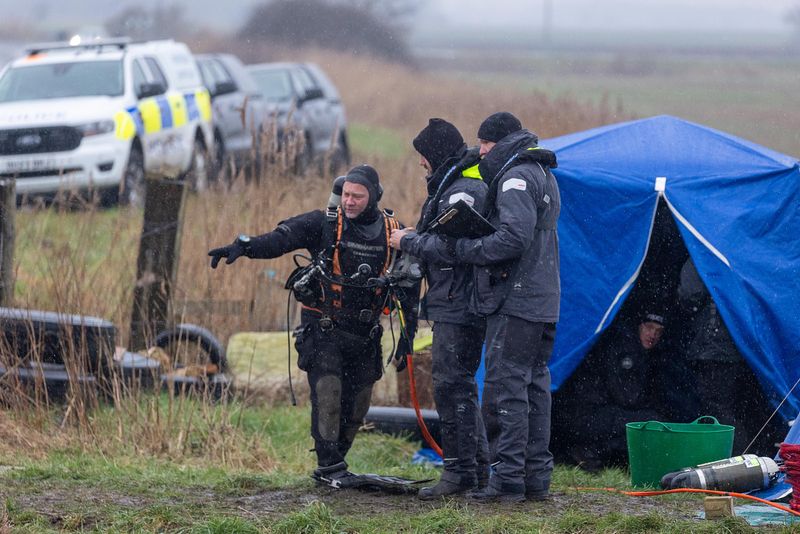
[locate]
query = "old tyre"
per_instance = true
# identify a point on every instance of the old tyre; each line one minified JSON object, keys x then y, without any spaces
{"x":218,"y":387}
{"x":85,"y":344}
{"x":48,"y":382}
{"x":137,"y":369}
{"x":190,"y":344}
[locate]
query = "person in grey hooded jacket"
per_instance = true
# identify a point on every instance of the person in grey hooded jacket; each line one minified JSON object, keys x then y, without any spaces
{"x":517,"y":289}
{"x":457,"y":334}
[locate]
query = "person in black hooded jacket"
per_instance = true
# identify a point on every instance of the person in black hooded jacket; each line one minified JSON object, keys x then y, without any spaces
{"x":457,"y":334}
{"x":338,"y":340}
{"x":616,"y":384}
{"x":517,"y":289}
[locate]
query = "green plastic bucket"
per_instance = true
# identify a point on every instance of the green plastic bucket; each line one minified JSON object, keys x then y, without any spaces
{"x":655,"y":448}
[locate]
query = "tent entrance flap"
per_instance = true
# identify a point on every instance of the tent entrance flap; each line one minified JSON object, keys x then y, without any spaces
{"x":629,"y":283}
{"x":695,"y":233}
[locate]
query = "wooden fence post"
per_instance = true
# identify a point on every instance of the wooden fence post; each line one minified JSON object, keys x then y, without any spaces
{"x":157,"y":265}
{"x":8,"y":209}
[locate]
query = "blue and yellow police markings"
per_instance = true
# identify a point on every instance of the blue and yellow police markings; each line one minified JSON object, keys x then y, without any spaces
{"x":177,"y":106}
{"x":172,"y":110}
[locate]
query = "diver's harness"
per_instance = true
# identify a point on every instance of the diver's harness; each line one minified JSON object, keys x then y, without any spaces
{"x":318,"y":285}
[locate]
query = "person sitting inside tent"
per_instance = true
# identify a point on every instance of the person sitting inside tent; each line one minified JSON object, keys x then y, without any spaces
{"x":613,"y":386}
{"x":723,"y":383}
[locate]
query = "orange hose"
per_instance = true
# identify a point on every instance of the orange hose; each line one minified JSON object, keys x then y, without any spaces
{"x":691,"y":490}
{"x":420,"y":421}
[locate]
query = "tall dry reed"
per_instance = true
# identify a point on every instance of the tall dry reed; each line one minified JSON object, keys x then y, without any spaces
{"x":84,"y":261}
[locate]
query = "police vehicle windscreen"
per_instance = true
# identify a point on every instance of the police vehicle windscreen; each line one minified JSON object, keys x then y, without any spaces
{"x":62,"y":80}
{"x":275,"y":85}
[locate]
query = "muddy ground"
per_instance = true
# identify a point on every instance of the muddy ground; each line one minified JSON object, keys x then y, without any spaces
{"x":55,"y":504}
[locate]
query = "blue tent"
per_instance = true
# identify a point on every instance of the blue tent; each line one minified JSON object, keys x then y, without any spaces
{"x":737,"y":206}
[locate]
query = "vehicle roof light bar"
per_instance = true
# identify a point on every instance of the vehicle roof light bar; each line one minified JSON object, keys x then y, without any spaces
{"x":38,"y":48}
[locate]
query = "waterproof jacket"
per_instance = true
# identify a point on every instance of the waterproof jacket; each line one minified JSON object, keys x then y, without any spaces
{"x":618,"y":372}
{"x":449,"y":283}
{"x":707,"y":338}
{"x":517,"y":267}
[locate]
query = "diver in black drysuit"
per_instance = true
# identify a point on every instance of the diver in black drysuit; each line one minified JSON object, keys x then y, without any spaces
{"x":338,"y":340}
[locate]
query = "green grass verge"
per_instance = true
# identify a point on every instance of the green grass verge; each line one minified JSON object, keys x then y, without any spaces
{"x":375,"y":141}
{"x":102,"y":489}
{"x":751,"y":97}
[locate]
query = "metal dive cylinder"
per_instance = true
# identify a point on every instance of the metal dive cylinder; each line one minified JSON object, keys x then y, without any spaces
{"x":738,"y":473}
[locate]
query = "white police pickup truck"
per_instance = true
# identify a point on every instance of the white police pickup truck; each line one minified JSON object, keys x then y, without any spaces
{"x":103,"y":115}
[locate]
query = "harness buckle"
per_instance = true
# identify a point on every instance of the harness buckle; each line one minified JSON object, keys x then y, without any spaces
{"x":376,"y":331}
{"x":365,"y":316}
{"x":325,"y":324}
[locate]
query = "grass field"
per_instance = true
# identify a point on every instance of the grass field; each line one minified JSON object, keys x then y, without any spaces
{"x":155,"y":463}
{"x":127,"y":485}
{"x":754,"y":97}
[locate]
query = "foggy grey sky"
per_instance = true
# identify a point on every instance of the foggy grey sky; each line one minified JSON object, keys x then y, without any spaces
{"x":715,"y":15}
{"x":606,"y":15}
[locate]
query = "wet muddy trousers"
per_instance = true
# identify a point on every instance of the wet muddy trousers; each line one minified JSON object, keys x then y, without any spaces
{"x":456,"y":357}
{"x":517,"y":403}
{"x":342,"y":369}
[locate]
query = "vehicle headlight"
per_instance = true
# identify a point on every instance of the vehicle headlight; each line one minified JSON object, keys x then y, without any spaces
{"x":96,"y":128}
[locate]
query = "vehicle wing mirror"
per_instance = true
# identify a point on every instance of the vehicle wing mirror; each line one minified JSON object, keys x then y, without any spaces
{"x":224,"y":88}
{"x":312,"y":94}
{"x":150,"y":89}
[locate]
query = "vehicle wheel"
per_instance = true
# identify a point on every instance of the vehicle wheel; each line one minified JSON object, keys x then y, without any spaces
{"x":305,"y":156}
{"x":131,"y":191}
{"x":340,"y":159}
{"x":198,"y":174}
{"x":189,"y":345}
{"x":218,"y":159}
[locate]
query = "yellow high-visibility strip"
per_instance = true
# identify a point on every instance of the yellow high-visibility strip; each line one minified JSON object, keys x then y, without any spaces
{"x":124,"y":127}
{"x":178,"y":106}
{"x":151,"y":115}
{"x":203,"y":100}
{"x":472,"y":172}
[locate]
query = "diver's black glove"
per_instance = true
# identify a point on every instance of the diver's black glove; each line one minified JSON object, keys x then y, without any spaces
{"x":240,"y":247}
{"x":403,"y":349}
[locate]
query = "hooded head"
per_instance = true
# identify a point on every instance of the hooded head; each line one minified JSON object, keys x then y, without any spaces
{"x":650,"y":330}
{"x":367,"y":177}
{"x":497,"y":126}
{"x":437,"y":142}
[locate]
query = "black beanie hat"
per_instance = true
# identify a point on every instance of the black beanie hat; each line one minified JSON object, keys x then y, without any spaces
{"x":438,"y":141}
{"x":498,"y":125}
{"x":654,"y":318}
{"x":368,"y":177}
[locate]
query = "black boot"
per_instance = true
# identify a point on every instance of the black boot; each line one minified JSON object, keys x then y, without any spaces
{"x":536,"y":490}
{"x":509,"y":493}
{"x":482,"y":472}
{"x":444,"y":488}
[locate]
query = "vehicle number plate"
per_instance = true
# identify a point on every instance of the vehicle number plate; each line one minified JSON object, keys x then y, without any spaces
{"x":26,"y":165}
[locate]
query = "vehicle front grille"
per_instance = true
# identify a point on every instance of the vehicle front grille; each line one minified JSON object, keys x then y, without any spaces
{"x":38,"y":174}
{"x":39,"y":140}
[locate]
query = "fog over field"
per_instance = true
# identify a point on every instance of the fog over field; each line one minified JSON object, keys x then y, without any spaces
{"x":611,"y":15}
